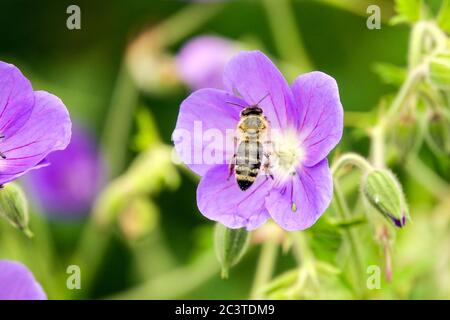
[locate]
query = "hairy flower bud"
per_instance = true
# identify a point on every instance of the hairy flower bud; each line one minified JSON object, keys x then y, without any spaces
{"x":14,"y":207}
{"x":439,"y":70}
{"x":385,"y":194}
{"x":230,"y":245}
{"x":407,"y":135}
{"x":438,"y":131}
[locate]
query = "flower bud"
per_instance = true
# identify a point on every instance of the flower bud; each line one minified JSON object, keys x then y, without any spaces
{"x":385,"y":194}
{"x":230,"y":245}
{"x":407,"y":135}
{"x":438,"y":132}
{"x":151,"y":66}
{"x":439,"y":70}
{"x":14,"y":207}
{"x":139,"y":218}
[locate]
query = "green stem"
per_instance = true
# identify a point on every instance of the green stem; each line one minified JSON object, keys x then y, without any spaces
{"x":350,"y":237}
{"x":427,"y":177}
{"x":414,"y":76}
{"x":303,"y":252}
{"x":285,"y":33}
{"x":378,"y":147}
{"x":379,"y":131}
{"x":118,"y":122}
{"x":90,"y":252}
{"x":186,"y":21}
{"x":176,"y":283}
{"x":415,"y":44}
{"x":265,"y":268}
{"x":350,"y":158}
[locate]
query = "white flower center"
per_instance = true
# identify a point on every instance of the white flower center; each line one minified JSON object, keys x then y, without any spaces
{"x":286,"y":154}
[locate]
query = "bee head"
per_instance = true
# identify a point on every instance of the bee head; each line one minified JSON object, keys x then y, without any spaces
{"x":252,"y":110}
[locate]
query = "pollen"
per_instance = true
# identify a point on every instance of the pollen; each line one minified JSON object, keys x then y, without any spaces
{"x":287,"y":154}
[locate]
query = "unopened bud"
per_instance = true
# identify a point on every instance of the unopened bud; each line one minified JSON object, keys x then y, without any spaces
{"x":385,"y":194}
{"x":439,"y":70}
{"x":14,"y":207}
{"x":438,"y":131}
{"x":139,"y":218}
{"x":407,"y":134}
{"x":230,"y":245}
{"x":151,"y":66}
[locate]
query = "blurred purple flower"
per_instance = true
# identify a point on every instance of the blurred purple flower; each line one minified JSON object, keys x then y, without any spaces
{"x":18,"y":283}
{"x":307,"y":120}
{"x":32,"y":124}
{"x":68,"y":187}
{"x":201,"y":61}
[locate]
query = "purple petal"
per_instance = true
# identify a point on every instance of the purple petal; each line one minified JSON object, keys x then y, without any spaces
{"x":68,"y":187}
{"x":16,"y":99}
{"x":252,"y":76}
{"x":202,"y":60}
{"x":47,"y":129}
{"x":220,"y":199}
{"x":200,"y":135}
{"x":320,"y":114}
{"x":310,"y":189}
{"x":18,"y":283}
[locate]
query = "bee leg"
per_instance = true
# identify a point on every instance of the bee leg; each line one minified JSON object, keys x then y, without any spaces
{"x":266,"y":169}
{"x":231,"y":167}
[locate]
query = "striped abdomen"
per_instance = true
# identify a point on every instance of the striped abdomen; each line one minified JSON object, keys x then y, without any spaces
{"x":249,"y":156}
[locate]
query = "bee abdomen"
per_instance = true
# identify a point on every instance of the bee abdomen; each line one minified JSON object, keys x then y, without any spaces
{"x":248,"y":163}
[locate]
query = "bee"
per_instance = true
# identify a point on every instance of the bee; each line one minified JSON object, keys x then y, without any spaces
{"x":250,"y":153}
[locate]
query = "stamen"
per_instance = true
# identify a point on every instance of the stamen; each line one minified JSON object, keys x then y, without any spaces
{"x":287,"y":154}
{"x":294,"y":207}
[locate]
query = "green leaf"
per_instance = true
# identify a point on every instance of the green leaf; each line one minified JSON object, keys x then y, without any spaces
{"x":349,"y":223}
{"x":439,"y":70}
{"x":408,"y":11}
{"x":443,"y":18}
{"x":390,"y":74}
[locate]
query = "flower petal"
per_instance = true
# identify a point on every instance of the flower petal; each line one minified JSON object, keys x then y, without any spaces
{"x":205,"y":128}
{"x":48,"y":129}
{"x":16,"y":99}
{"x":252,"y":76}
{"x":320,"y":114}
{"x":67,"y":188}
{"x":220,"y":199}
{"x":18,"y":283}
{"x":310,"y":189}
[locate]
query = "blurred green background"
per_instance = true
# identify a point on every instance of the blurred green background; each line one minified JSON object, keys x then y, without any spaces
{"x":175,"y":258}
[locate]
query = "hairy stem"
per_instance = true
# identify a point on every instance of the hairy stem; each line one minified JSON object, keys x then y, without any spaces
{"x":353,"y":159}
{"x":285,"y":33}
{"x":265,"y":268}
{"x":350,"y":237}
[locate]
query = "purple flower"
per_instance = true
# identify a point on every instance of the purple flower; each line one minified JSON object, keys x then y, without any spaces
{"x":32,"y":124}
{"x":18,"y":283}
{"x":306,"y":120}
{"x":68,"y":187}
{"x":201,"y":61}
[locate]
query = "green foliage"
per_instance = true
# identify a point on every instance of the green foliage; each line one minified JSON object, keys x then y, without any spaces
{"x":390,"y":74}
{"x":443,"y":18}
{"x":230,"y":245}
{"x":407,"y":11}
